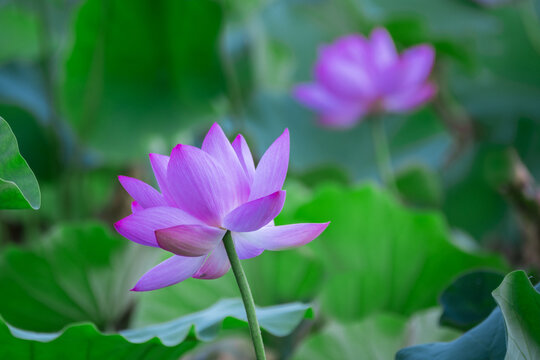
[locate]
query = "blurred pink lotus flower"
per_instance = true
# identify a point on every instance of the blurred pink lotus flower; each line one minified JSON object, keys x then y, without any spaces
{"x":204,"y":193}
{"x":356,"y":76}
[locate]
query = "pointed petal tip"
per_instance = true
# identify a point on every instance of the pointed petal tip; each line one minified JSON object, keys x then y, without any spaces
{"x":120,"y":226}
{"x":123,"y":179}
{"x":271,"y":171}
{"x":179,"y":147}
{"x":283,"y":139}
{"x":214,"y":128}
{"x":280,"y":237}
{"x":156,"y":156}
{"x":169,"y":272}
{"x":117,"y":225}
{"x":138,"y":289}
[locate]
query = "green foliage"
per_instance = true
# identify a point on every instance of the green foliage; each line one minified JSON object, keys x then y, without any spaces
{"x":126,"y":67}
{"x":282,"y":276}
{"x":388,"y":257}
{"x":19,"y":188}
{"x":419,"y":186}
{"x":468,"y":301}
{"x":77,"y":273}
{"x":81,"y":341}
{"x":485,"y":341}
{"x":377,"y":337}
{"x":323,"y":174}
{"x":89,"y":87}
{"x":520,"y":306}
{"x":472,"y":204}
{"x":164,"y":341}
{"x":35,"y":144}
{"x":22,"y":27}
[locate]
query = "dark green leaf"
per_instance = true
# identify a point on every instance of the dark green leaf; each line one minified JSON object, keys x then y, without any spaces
{"x":469,"y":195}
{"x":468,"y":301}
{"x":37,"y":146}
{"x":483,"y":342}
{"x":19,"y":188}
{"x":488,"y":340}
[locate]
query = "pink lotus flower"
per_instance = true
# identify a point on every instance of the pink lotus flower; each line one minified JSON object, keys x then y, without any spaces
{"x":356,"y":76}
{"x":204,"y":193}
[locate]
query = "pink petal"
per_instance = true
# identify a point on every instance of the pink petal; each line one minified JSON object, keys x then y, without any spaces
{"x":169,"y":272}
{"x":280,"y":237}
{"x":317,"y":98}
{"x":354,"y":47}
{"x":241,"y":148}
{"x":199,"y":185}
{"x":343,"y":74}
{"x":383,"y":50}
{"x":159,"y":167}
{"x":135,"y":207}
{"x":145,"y":195}
{"x":189,"y":240}
{"x":140,"y":226}
{"x":334,"y":113}
{"x":255,"y":214}
{"x":244,"y":249}
{"x":272,"y":169}
{"x":217,"y":264}
{"x":416,"y":64}
{"x":216,"y":144}
{"x":410,"y":98}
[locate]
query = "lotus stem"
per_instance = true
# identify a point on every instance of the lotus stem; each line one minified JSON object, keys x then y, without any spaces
{"x":247,"y":297}
{"x":382,"y":153}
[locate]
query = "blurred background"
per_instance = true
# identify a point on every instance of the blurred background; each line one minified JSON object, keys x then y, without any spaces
{"x":89,"y":88}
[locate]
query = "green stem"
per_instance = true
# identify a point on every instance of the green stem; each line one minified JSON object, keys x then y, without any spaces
{"x":247,"y":298}
{"x":382,"y":152}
